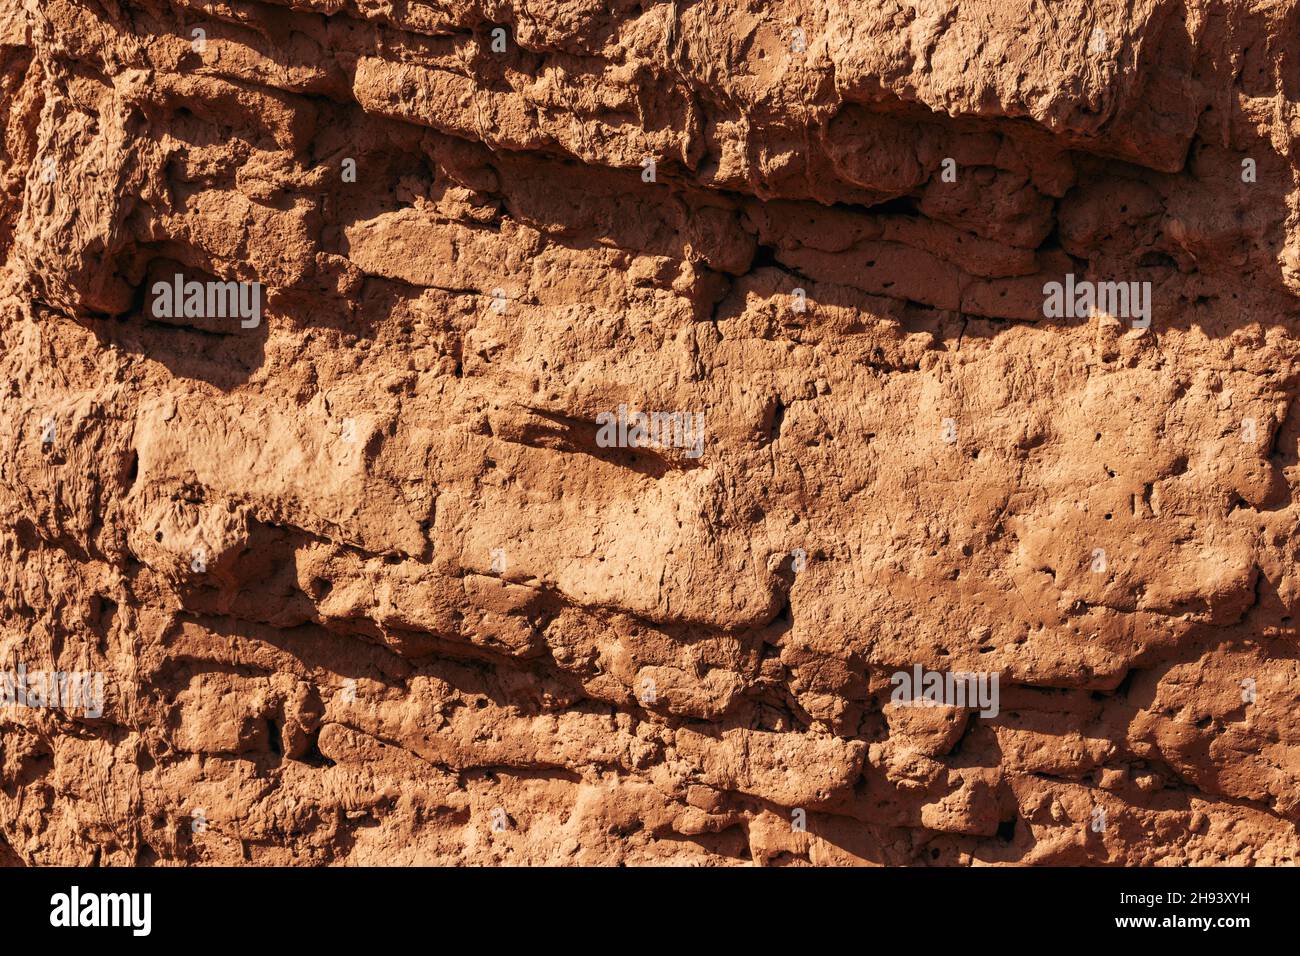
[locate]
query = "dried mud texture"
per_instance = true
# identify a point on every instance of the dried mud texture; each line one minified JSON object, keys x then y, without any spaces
{"x":432,"y":601}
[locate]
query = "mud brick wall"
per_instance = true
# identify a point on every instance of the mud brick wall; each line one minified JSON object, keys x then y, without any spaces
{"x":392,"y":571}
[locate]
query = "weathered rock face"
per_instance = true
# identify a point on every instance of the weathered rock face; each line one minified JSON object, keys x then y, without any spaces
{"x":370,"y":576}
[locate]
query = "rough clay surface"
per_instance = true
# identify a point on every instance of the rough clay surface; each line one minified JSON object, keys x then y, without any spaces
{"x":353,"y":680}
